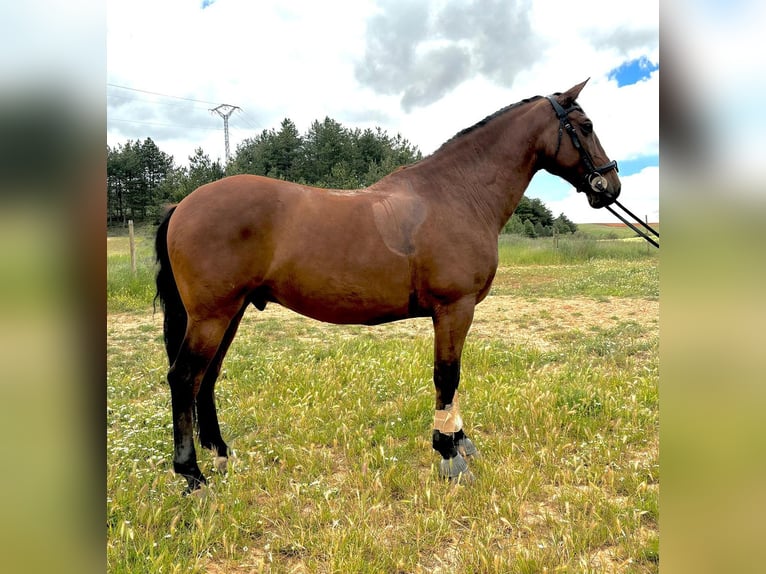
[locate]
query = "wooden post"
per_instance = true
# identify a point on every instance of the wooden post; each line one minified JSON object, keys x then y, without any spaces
{"x":132,"y":247}
{"x":646,"y":219}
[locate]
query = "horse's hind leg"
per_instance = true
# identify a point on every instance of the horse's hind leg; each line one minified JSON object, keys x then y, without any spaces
{"x":196,"y":353}
{"x":451,"y":324}
{"x":207,"y":418}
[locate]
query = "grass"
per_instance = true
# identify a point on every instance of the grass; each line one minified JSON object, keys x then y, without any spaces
{"x":333,"y":469}
{"x":518,"y":250}
{"x":606,"y":231}
{"x":125,"y":290}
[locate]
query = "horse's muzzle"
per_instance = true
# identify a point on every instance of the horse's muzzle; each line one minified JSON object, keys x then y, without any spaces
{"x":600,"y":200}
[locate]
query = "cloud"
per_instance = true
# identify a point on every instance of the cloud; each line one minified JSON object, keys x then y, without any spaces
{"x":134,"y":115}
{"x":626,"y":41}
{"x":436,"y":73}
{"x":626,"y":118}
{"x":422,"y":51}
{"x":392,"y":37}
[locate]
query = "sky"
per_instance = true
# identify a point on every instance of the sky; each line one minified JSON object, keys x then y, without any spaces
{"x":423,"y":69}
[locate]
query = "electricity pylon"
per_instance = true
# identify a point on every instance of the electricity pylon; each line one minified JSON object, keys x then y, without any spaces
{"x":225,"y":110}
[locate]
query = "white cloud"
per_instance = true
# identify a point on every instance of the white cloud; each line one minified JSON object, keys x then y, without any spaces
{"x":627,"y":119}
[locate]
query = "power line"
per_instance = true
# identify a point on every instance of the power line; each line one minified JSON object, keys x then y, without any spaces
{"x":154,"y":102}
{"x":223,"y":110}
{"x":248,"y":120}
{"x":109,"y":119}
{"x":160,"y":94}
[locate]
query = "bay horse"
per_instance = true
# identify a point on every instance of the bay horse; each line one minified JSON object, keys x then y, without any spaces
{"x":421,"y":242}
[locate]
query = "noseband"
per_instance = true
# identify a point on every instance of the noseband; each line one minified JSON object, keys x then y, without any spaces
{"x":594,"y":178}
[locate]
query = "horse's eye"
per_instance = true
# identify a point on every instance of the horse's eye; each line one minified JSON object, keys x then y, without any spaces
{"x":587,"y":128}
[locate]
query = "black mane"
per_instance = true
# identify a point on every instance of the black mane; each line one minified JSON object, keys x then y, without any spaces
{"x":489,"y":118}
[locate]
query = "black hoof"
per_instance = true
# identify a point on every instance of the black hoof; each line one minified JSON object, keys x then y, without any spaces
{"x":456,"y":470}
{"x":466,"y":448}
{"x":194,"y":484}
{"x":191,"y":472}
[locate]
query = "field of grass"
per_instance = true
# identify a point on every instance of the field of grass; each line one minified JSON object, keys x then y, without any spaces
{"x":333,"y":469}
{"x":610,"y":230}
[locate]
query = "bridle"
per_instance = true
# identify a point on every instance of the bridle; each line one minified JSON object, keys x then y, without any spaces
{"x":594,"y":177}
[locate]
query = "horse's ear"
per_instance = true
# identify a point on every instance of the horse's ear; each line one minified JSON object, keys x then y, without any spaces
{"x":567,"y":98}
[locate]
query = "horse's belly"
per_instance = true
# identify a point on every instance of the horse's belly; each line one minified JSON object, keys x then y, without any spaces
{"x":377,"y":296}
{"x":340,"y":313}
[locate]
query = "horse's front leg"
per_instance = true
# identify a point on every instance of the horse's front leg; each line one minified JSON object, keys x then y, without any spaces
{"x":451,"y":324}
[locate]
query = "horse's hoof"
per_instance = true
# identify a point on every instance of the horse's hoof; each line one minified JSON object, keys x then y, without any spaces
{"x":194,"y":483}
{"x":456,"y":470}
{"x":467,"y":449}
{"x":464,"y":478}
{"x":200,"y":493}
{"x":192,"y":490}
{"x":220,"y":463}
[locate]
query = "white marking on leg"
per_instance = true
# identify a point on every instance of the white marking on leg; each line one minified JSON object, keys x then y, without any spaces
{"x":200,"y":493}
{"x":448,"y":419}
{"x":220,"y":463}
{"x":184,"y":450}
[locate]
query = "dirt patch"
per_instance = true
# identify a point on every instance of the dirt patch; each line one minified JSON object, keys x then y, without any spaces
{"x":512,"y":319}
{"x":531,"y":322}
{"x":124,"y":323}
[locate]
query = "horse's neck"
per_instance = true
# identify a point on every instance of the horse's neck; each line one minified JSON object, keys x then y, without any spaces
{"x":488,"y":168}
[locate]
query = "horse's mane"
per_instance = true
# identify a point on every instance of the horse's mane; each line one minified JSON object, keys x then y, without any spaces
{"x":488,"y":119}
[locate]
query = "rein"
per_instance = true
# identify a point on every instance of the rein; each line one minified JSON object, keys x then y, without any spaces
{"x":633,"y":227}
{"x":594,"y":179}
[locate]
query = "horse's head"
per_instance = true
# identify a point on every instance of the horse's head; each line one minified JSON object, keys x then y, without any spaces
{"x":574,"y":152}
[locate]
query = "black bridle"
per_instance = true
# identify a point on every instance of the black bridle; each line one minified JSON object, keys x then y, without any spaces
{"x":594,"y":177}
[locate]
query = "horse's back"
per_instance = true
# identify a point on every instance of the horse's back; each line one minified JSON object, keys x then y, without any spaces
{"x":323,"y":253}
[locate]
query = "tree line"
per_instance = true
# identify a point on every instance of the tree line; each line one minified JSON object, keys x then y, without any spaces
{"x":141,"y":178}
{"x":533,"y":219}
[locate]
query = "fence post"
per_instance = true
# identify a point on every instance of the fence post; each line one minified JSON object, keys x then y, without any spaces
{"x":646,"y":219}
{"x":132,"y":247}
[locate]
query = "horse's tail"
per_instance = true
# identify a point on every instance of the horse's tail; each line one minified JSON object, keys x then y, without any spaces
{"x":174,"y":325}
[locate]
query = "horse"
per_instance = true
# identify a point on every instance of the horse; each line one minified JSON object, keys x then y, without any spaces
{"x":420,"y":242}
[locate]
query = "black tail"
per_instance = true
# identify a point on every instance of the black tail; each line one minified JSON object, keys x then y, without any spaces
{"x":174,"y":325}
